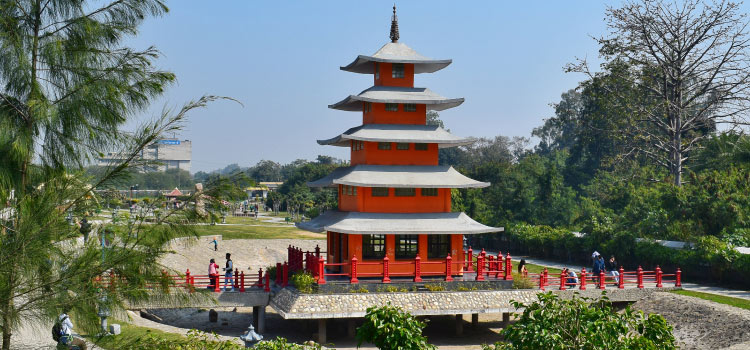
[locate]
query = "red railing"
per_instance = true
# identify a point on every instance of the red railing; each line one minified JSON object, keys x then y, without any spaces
{"x":639,"y":278}
{"x":240,"y":282}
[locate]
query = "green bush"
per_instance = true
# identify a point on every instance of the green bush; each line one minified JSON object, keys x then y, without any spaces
{"x":303,"y":281}
{"x":271,"y":271}
{"x":282,"y":344}
{"x":434,"y":287}
{"x":523,"y":282}
{"x":582,"y":323}
{"x":391,"y":328}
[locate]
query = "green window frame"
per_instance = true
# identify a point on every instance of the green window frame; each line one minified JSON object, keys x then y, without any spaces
{"x":380,"y":191}
{"x":405,"y":192}
{"x":429,"y":192}
{"x":410,"y":107}
{"x":384,"y":145}
{"x":373,"y":246}
{"x":420,"y":146}
{"x":397,"y":70}
{"x":402,"y":146}
{"x":391,"y":107}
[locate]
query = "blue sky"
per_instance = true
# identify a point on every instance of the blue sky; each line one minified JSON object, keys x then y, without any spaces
{"x":281,"y":60}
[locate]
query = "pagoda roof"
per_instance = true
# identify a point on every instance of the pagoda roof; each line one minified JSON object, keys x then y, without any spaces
{"x":395,"y":94}
{"x":399,"y":133}
{"x":396,"y":53}
{"x":401,"y":176}
{"x":175,"y":193}
{"x":395,"y":223}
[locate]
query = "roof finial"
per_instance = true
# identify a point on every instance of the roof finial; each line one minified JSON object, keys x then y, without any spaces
{"x":394,"y":26}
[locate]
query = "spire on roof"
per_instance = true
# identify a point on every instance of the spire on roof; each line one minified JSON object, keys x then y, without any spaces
{"x":394,"y":26}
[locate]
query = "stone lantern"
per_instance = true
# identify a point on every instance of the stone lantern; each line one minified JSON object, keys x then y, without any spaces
{"x":250,"y":337}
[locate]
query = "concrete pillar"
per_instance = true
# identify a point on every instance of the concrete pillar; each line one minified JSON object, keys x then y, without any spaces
{"x":261,"y":320}
{"x":474,"y":320}
{"x":351,"y":328}
{"x":256,"y":311}
{"x":322,"y":331}
{"x":506,"y":319}
{"x":459,"y":324}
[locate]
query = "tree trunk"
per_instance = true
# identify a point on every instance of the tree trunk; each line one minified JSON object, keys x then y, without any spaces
{"x":7,"y":309}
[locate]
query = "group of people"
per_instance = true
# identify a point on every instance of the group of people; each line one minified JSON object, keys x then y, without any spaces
{"x":213,"y":273}
{"x":610,"y":266}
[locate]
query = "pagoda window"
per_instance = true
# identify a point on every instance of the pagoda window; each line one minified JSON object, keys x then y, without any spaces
{"x":354,"y":190}
{"x":384,"y":145}
{"x":406,"y":192}
{"x":368,"y":107}
{"x":391,"y":107}
{"x":429,"y":192}
{"x":402,"y":146}
{"x":420,"y":146}
{"x":438,"y":246}
{"x":377,"y":70}
{"x":380,"y":191}
{"x":410,"y":107}
{"x":407,"y":246}
{"x":373,"y":246}
{"x":397,"y":70}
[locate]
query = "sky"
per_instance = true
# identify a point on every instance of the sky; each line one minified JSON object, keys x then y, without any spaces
{"x":281,"y":60}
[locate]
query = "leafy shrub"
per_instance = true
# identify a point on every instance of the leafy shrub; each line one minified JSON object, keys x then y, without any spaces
{"x":271,"y":271}
{"x":583,"y":323}
{"x":434,"y":287}
{"x":282,"y":344}
{"x":391,"y":328}
{"x":303,"y":281}
{"x":196,"y":340}
{"x":359,"y":290}
{"x":523,"y":282}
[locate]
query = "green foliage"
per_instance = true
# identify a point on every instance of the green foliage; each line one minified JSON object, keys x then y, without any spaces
{"x":582,"y":323}
{"x":282,"y":344}
{"x":522,"y":282}
{"x":303,"y":281}
{"x":721,"y":299}
{"x":434,"y":287}
{"x":196,"y":340}
{"x":391,"y":328}
{"x":359,"y":290}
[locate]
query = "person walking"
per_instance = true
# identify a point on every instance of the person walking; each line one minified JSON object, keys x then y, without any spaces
{"x":213,"y":274}
{"x":598,"y":266}
{"x":216,"y":244}
{"x":68,"y":340}
{"x":613,"y":269}
{"x":228,"y":269}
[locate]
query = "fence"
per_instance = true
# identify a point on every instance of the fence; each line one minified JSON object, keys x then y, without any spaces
{"x":639,"y":278}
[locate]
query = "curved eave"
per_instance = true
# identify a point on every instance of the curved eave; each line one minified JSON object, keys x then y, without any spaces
{"x":354,"y":103}
{"x":363,"y":64}
{"x":396,"y":223}
{"x":398,"y":133}
{"x":398,"y":176}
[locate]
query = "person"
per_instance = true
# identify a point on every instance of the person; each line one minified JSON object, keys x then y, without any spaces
{"x":213,"y":274}
{"x":228,"y":269}
{"x":572,"y":277}
{"x":598,"y":266}
{"x":613,"y":269}
{"x":216,"y":244}
{"x":67,"y":339}
{"x":522,"y":268}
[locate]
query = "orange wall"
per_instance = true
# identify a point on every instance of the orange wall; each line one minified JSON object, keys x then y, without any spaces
{"x":350,"y":202}
{"x":378,"y":115}
{"x":374,"y":156}
{"x":387,"y":79}
{"x":393,"y":204}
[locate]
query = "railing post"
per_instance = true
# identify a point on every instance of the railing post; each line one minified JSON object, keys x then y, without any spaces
{"x":541,"y":281}
{"x":492,"y":266}
{"x":470,"y":266}
{"x":289,"y":253}
{"x":640,"y":277}
{"x":278,"y":273}
{"x":465,"y":266}
{"x":509,"y":268}
{"x":268,"y":283}
{"x":285,"y":275}
{"x":187,"y":279}
{"x":602,"y":277}
{"x":500,"y":265}
{"x":236,"y":284}
{"x":678,"y":278}
{"x":545,"y":274}
{"x":321,"y":271}
{"x":353,"y":272}
{"x":658,"y":277}
{"x":621,"y":282}
{"x":583,"y":279}
{"x":386,"y":278}
{"x":317,"y":251}
{"x":448,"y":268}
{"x":417,"y":269}
{"x":242,"y":281}
{"x":260,"y":277}
{"x":562,"y":280}
{"x":480,"y":267}
{"x":217,"y":282}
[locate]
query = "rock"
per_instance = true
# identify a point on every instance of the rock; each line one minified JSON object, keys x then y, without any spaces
{"x":213,"y":316}
{"x":114,"y":329}
{"x":150,"y":316}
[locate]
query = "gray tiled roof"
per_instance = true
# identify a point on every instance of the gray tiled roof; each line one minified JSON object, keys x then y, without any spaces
{"x":400,"y":176}
{"x":399,"y":133}
{"x":393,"y":223}
{"x":396,"y":53}
{"x":394,"y":94}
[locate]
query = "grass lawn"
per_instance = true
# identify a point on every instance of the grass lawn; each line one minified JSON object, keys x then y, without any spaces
{"x":257,"y":232}
{"x":736,"y":302}
{"x":130,"y":334}
{"x":250,"y":221}
{"x":538,"y":269}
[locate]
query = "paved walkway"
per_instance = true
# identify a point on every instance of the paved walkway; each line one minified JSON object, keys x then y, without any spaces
{"x":743,"y":294}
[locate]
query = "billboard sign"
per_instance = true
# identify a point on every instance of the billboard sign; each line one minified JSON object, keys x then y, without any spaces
{"x":169,"y":142}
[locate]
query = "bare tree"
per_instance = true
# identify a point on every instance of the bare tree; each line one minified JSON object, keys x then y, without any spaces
{"x":689,"y":62}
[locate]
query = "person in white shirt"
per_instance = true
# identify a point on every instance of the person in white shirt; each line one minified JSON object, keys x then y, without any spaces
{"x":69,"y":339}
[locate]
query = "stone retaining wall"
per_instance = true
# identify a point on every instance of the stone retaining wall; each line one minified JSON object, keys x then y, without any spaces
{"x":291,"y":304}
{"x":204,"y":300}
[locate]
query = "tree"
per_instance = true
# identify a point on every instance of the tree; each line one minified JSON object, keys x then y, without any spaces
{"x":265,"y":170}
{"x":390,"y":328}
{"x":690,"y":63}
{"x":582,"y":323}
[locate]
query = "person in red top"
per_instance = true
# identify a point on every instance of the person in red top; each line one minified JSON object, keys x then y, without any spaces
{"x":213,"y":273}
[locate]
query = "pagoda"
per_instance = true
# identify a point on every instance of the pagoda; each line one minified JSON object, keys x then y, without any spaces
{"x":394,"y":201}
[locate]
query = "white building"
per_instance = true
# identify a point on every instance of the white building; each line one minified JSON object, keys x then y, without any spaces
{"x":168,"y":153}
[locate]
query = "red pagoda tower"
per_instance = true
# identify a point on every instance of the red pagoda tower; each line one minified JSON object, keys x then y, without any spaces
{"x":394,"y":201}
